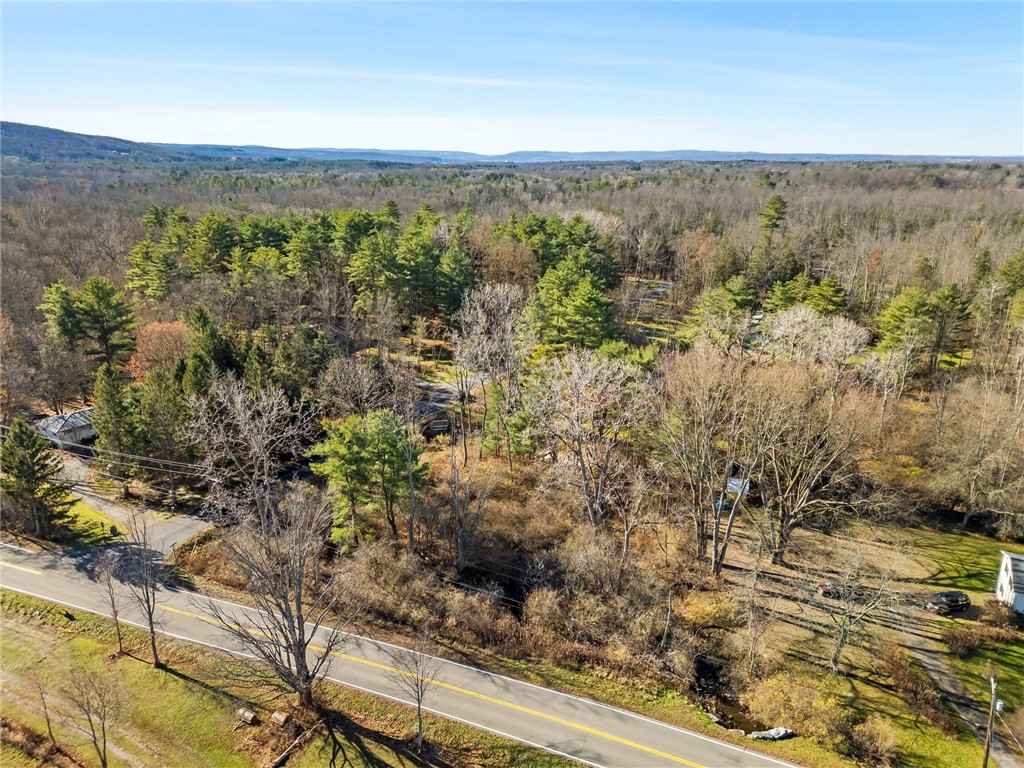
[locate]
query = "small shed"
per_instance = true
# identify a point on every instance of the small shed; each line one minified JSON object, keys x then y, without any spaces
{"x":66,"y":429}
{"x":1010,"y":586}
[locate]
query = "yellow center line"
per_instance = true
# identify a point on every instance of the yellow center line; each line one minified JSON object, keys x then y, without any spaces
{"x":21,"y":568}
{"x":466,"y":692}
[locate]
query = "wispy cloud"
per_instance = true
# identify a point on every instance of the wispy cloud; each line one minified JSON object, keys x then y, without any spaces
{"x":325,"y":72}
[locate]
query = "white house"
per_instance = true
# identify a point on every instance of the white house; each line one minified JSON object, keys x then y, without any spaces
{"x":67,"y":428}
{"x":1010,"y":587}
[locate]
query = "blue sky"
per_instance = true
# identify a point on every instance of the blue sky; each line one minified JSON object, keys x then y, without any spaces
{"x":922,"y":78}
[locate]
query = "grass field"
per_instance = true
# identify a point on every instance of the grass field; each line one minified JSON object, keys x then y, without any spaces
{"x":185,"y":715}
{"x":89,"y":526}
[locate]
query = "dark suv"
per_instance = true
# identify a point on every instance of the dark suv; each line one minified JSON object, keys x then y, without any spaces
{"x":944,"y":603}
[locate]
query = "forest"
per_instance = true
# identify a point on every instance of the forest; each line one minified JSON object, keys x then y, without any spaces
{"x":682,"y":432}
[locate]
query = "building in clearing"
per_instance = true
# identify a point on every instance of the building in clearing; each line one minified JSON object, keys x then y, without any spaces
{"x":66,"y":429}
{"x":1010,"y":586}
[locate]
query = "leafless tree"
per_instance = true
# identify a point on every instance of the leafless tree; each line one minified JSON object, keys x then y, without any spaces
{"x":96,"y":702}
{"x":853,"y":596}
{"x":487,"y":340}
{"x":586,"y":405}
{"x":42,"y":689}
{"x":143,"y":569}
{"x":705,"y":419}
{"x":978,"y":456}
{"x":384,"y":323}
{"x":278,"y":555}
{"x":413,"y":674}
{"x":107,"y":582}
{"x":467,"y":502}
{"x":245,"y":436}
{"x":636,"y":504}
{"x":807,"y":435}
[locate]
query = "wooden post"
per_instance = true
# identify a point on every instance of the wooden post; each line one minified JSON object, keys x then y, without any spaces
{"x":991,"y":718}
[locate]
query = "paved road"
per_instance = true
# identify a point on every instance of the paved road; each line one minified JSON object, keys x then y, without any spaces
{"x":584,"y":730}
{"x":166,"y":532}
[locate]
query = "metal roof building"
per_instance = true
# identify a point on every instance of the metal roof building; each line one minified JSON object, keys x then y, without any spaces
{"x":65,"y":429}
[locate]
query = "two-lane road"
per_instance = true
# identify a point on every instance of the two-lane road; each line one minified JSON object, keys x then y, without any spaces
{"x":577,"y":728}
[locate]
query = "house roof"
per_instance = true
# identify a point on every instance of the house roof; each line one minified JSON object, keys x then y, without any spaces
{"x":63,"y":423}
{"x":1016,"y":571}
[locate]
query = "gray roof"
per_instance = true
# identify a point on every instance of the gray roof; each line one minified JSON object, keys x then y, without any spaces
{"x":1016,"y":571}
{"x":66,"y":422}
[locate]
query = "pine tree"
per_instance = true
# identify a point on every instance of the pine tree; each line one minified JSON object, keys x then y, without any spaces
{"x":105,"y":320}
{"x":346,"y":464}
{"x":31,"y":481}
{"x":114,"y":420}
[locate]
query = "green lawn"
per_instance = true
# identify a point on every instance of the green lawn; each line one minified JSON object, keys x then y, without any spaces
{"x":185,"y":715}
{"x":89,"y":527}
{"x":961,"y":560}
{"x":1007,"y":659}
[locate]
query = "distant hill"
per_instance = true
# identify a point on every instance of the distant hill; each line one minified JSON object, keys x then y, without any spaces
{"x":35,"y":143}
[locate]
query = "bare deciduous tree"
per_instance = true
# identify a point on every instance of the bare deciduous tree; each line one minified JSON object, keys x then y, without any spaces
{"x":705,"y":419}
{"x":95,"y":703}
{"x":414,"y":673}
{"x":278,"y":556}
{"x":245,"y":436}
{"x":106,"y":581}
{"x":586,"y":405}
{"x":854,"y":596}
{"x":807,"y":433}
{"x":467,"y":502}
{"x":143,"y":569}
{"x":487,"y":342}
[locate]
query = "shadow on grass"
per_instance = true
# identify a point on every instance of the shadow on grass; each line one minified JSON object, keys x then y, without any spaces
{"x":351,"y":744}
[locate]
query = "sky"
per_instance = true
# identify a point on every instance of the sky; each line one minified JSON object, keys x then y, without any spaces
{"x":868,"y":77}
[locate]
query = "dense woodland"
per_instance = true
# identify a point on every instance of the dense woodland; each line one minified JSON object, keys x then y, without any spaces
{"x":661,"y":376}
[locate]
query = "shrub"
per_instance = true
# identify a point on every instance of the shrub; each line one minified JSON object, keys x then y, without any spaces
{"x":874,"y":743}
{"x":808,"y":704}
{"x":710,"y":610}
{"x":916,"y":691}
{"x":962,"y":641}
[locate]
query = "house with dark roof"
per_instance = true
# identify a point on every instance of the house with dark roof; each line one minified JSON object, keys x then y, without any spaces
{"x":1010,"y":587}
{"x":66,"y":429}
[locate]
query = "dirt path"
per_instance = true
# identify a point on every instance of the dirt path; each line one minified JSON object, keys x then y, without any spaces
{"x":972,"y":712}
{"x":19,"y":696}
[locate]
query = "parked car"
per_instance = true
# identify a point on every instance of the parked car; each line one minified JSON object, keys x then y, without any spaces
{"x":944,"y":603}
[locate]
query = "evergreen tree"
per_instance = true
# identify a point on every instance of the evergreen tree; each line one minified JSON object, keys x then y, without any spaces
{"x":58,"y":306}
{"x":389,"y":445}
{"x":1012,"y":274}
{"x":373,"y":269}
{"x":766,"y":267}
{"x":206,"y":342}
{"x":827,"y":297}
{"x":210,"y":243}
{"x":570,"y":306}
{"x":96,"y":313}
{"x":151,"y":268}
{"x":196,"y":376}
{"x":456,"y":275}
{"x":346,"y":464}
{"x":258,"y":370}
{"x":114,"y":420}
{"x":31,"y":480}
{"x":160,"y":417}
{"x":905,"y":319}
{"x":950,"y":319}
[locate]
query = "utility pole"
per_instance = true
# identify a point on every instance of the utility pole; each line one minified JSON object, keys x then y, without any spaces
{"x":991,"y":718}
